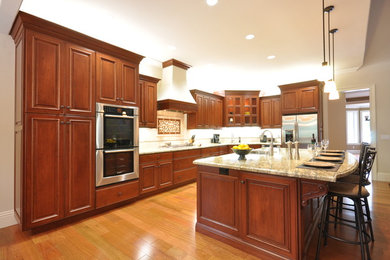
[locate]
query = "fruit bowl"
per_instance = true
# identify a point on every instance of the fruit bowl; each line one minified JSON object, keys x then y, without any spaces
{"x":241,"y":152}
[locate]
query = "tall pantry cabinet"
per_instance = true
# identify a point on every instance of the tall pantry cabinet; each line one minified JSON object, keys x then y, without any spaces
{"x":55,"y":120}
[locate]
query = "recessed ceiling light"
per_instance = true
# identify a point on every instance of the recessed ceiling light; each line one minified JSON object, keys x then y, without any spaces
{"x":212,"y":2}
{"x":271,"y":57}
{"x":171,"y":47}
{"x":249,"y":37}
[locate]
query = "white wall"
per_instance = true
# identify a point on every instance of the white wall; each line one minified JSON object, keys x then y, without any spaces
{"x":7,"y":75}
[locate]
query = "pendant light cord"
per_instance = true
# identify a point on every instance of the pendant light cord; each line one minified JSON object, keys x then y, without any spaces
{"x":323,"y":31}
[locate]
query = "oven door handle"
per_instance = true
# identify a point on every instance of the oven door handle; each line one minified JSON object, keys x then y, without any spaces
{"x":119,"y":151}
{"x":118,"y":116}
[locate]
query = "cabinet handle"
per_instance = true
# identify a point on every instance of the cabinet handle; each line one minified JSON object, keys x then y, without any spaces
{"x":62,"y":122}
{"x":120,"y":193}
{"x":122,"y":99}
{"x":62,"y":106}
{"x":242,"y":182}
{"x":68,"y":107}
{"x":117,"y":98}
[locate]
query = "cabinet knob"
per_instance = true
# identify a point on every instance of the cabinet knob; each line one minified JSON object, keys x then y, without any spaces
{"x":62,"y":122}
{"x":242,"y":182}
{"x":68,"y":107}
{"x":120,"y":193}
{"x":68,"y":123}
{"x":62,"y":106}
{"x":122,"y":99}
{"x":117,"y":98}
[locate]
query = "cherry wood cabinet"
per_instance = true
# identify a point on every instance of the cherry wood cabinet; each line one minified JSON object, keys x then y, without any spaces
{"x":183,"y":168}
{"x":209,"y":113}
{"x":116,"y":81}
{"x":241,"y":108}
{"x":156,"y":171}
{"x":148,"y":101}
{"x":301,"y":97}
{"x":59,"y":178}
{"x":270,"y":112}
{"x":112,"y":194}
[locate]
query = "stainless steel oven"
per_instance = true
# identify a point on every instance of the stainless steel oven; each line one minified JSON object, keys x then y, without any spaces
{"x":117,"y":151}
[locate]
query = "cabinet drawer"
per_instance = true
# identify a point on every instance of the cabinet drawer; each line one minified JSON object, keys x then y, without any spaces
{"x":184,"y":154}
{"x":165,"y":157}
{"x":212,"y":151}
{"x":185,"y":163}
{"x":148,"y":158}
{"x":110,"y":195}
{"x":184,"y":175}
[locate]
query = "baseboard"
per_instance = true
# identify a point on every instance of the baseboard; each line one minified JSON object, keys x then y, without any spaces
{"x":383,"y":176}
{"x":7,"y":218}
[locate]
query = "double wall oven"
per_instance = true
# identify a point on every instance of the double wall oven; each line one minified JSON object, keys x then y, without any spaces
{"x":116,"y":144}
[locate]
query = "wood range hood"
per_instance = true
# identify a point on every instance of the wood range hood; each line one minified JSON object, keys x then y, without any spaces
{"x":173,"y":93}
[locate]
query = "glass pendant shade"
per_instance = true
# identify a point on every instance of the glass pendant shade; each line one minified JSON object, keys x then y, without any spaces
{"x":326,"y":73}
{"x":330,"y":86}
{"x":334,"y":95}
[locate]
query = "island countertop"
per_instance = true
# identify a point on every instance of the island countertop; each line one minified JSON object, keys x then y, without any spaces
{"x":280,"y":165}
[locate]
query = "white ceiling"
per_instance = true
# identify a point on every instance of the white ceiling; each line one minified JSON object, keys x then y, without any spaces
{"x":204,"y":35}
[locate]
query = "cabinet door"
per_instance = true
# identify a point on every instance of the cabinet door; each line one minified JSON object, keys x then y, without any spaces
{"x":44,"y":172}
{"x":80,"y":168}
{"x":44,"y":72}
{"x":309,"y":99}
{"x":150,"y":104}
{"x":276,"y":117}
{"x":129,"y":82}
{"x":290,"y":103}
{"x":141,"y":85}
{"x":107,"y":81}
{"x":166,"y":174}
{"x":222,"y":211}
{"x":206,"y":112}
{"x":269,"y":213}
{"x":199,"y":113}
{"x":266,"y":111}
{"x":80,"y":81}
{"x":211,"y":111}
{"x":219,"y":113}
{"x":148,"y":177}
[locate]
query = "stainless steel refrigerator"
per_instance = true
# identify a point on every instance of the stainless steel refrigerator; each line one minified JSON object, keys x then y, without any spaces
{"x":299,"y":127}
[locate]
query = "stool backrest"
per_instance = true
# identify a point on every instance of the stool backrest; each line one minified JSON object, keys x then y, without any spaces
{"x":366,"y":166}
{"x":363,"y":148}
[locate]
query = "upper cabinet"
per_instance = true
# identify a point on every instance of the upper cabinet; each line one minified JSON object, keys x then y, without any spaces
{"x":148,"y":101}
{"x":241,"y":108}
{"x":117,"y":81}
{"x":270,"y":112}
{"x":210,"y":111}
{"x":301,"y":97}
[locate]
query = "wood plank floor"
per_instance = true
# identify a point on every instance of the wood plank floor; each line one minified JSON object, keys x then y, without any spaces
{"x":163,"y":227}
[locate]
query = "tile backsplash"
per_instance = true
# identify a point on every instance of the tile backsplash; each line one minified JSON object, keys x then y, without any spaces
{"x":149,"y":137}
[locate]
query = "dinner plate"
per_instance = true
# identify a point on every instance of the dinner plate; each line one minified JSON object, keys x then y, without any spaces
{"x":335,"y":151}
{"x":331,"y":154}
{"x":319,"y":164}
{"x":327,"y":158}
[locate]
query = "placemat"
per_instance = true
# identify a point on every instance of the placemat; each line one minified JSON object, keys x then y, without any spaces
{"x":331,"y":169}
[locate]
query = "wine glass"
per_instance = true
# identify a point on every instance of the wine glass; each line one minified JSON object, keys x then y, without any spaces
{"x":325,"y":144}
{"x":318,"y":148}
{"x":311,"y":149}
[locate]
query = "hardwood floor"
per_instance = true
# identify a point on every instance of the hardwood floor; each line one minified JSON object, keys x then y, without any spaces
{"x":162,"y":227}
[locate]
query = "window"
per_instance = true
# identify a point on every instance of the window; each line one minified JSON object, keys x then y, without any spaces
{"x":358,"y":126}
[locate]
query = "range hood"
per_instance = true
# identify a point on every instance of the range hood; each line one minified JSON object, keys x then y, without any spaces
{"x":173,"y":93}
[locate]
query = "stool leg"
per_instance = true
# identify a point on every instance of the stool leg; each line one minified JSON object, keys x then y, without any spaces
{"x":337,"y":213}
{"x":324,"y":209}
{"x":326,"y":229}
{"x":360,"y":224}
{"x":369,"y":220}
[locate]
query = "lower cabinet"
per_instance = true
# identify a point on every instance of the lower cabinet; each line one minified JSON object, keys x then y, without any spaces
{"x":156,"y":171}
{"x":116,"y":193}
{"x":59,"y":178}
{"x":183,"y":168}
{"x":257,"y":209}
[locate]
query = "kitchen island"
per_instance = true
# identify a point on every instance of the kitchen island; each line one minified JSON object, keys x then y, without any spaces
{"x":264,"y":205}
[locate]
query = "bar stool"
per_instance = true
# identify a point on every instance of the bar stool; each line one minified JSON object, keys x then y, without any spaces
{"x":355,"y":192}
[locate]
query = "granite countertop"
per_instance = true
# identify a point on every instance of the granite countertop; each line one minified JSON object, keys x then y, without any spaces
{"x":145,"y":150}
{"x":280,"y":165}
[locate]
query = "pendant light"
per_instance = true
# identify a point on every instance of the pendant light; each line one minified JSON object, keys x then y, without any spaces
{"x":334,"y":94}
{"x":329,"y":83}
{"x":326,"y":72}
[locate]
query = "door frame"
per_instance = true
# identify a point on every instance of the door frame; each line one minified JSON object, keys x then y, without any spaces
{"x":371,"y":88}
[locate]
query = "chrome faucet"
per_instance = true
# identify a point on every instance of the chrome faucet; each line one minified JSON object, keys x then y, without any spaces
{"x":271,"y":149}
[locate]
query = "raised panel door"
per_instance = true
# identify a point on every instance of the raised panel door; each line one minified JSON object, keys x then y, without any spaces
{"x":142,"y":108}
{"x":309,"y":99}
{"x":80,"y":81}
{"x":269,"y":213}
{"x":199,"y":113}
{"x":211,"y":111}
{"x":107,"y":81}
{"x":166,"y":174}
{"x":222,"y":211}
{"x":205,"y":112}
{"x":44,"y":67}
{"x":290,"y":103}
{"x":265,"y":112}
{"x":44,"y":172}
{"x":148,"y":177}
{"x":276,"y":113}
{"x":150,"y":104}
{"x":219,"y":113}
{"x":80,"y":168}
{"x":129,"y":82}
